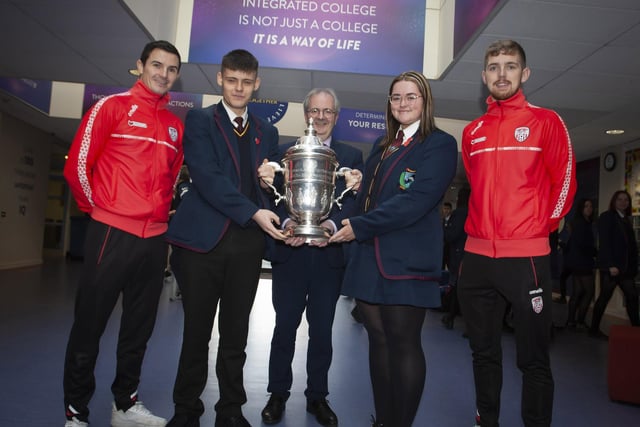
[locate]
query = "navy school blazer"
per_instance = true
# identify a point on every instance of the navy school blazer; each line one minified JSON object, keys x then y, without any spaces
{"x":404,"y":221}
{"x":215,"y":199}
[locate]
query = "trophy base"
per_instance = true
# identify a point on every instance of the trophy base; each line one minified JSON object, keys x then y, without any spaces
{"x":311,"y":232}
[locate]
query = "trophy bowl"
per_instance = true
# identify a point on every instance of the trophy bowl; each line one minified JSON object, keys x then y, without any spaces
{"x":310,"y":169}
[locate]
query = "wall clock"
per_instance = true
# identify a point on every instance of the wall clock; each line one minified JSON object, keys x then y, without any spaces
{"x":609,"y":161}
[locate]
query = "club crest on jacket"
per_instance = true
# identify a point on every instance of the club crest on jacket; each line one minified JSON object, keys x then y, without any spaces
{"x":521,"y":134}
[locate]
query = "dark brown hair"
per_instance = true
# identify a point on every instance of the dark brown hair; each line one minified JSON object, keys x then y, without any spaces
{"x":612,"y":202}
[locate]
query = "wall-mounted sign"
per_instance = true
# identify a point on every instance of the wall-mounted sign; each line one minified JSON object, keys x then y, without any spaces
{"x":269,"y":109}
{"x":179,"y":104}
{"x":36,"y":93}
{"x":372,"y":37}
{"x":359,"y":125}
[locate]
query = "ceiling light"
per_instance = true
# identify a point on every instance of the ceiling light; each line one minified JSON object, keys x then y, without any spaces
{"x":615,"y":132}
{"x":135,"y":72}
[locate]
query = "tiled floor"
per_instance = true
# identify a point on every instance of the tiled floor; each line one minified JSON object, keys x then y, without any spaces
{"x":36,"y":313}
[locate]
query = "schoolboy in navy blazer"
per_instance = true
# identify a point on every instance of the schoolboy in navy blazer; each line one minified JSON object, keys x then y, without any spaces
{"x":219,"y":241}
{"x":207,"y":213}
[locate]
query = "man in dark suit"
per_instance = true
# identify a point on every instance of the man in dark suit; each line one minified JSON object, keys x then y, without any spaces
{"x":218,"y":235}
{"x":309,"y":276}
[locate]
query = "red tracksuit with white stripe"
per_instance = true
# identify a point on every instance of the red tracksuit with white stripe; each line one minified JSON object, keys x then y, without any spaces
{"x":125,"y":159}
{"x":122,"y":167}
{"x":520,"y":165}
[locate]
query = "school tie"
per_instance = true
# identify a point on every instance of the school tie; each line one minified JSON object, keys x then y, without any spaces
{"x":393,"y":147}
{"x":239,"y":126}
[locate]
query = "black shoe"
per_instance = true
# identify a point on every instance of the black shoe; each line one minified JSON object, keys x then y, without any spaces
{"x":320,"y":408}
{"x":231,"y":421}
{"x":183,"y":420}
{"x":272,"y":412}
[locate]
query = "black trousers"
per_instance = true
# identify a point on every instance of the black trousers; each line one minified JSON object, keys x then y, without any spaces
{"x":608,"y":284}
{"x":115,"y":262}
{"x":227,"y":277}
{"x":584,"y":286}
{"x":485,"y":286}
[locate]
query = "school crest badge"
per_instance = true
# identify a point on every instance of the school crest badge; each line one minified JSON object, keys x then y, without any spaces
{"x":537,"y":304}
{"x":406,"y":178}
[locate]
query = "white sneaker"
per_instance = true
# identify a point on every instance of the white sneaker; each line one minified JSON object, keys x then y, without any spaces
{"x":74,"y":422}
{"x":136,"y":416}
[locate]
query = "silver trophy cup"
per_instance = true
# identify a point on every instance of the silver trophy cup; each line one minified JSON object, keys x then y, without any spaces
{"x":310,"y":169}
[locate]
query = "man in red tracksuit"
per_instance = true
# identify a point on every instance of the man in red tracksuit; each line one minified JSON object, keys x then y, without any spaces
{"x":520,"y":164}
{"x":122,"y":167}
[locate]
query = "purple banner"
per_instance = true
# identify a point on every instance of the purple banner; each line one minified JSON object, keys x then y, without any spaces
{"x":93,"y":93}
{"x":375,"y":37}
{"x":179,"y":104}
{"x":469,"y":16}
{"x":359,"y":125}
{"x":182,"y":102}
{"x":36,"y":93}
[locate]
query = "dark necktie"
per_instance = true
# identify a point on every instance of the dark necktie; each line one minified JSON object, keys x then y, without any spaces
{"x":239,"y":128}
{"x":393,"y":147}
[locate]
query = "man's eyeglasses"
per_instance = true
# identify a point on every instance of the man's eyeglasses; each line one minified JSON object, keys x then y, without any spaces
{"x":328,"y":112}
{"x":410,"y":98}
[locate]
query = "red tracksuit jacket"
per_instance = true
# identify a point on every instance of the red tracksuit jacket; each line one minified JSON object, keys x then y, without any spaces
{"x":125,"y":159}
{"x":521,"y":168}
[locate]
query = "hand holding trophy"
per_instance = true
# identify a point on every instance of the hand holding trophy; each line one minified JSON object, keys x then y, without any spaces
{"x":309,"y":170}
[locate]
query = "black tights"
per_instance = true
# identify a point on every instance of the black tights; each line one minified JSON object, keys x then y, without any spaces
{"x":396,"y":360}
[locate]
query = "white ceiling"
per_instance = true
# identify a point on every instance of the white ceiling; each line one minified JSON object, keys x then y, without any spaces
{"x":584,"y":56}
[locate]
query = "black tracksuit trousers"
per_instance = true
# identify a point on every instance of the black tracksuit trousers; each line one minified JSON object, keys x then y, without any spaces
{"x":115,"y":263}
{"x":485,"y":286}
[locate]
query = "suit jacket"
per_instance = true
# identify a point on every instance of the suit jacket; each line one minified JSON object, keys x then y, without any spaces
{"x":215,"y":198}
{"x":347,"y":156}
{"x":617,"y":244}
{"x":403,"y":222}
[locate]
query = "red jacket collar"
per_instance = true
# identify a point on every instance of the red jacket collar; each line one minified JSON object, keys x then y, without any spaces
{"x":140,"y":90}
{"x":517,"y":101}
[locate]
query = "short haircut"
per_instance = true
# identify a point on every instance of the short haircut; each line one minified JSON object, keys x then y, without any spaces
{"x":240,"y":60}
{"x":316,"y":91}
{"x":159,"y":44}
{"x":506,"y":47}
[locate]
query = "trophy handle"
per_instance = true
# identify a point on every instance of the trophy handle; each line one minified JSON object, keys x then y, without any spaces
{"x":341,"y":173}
{"x":276,"y":166}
